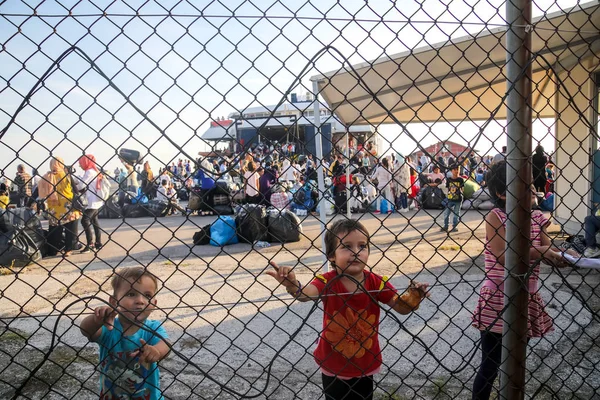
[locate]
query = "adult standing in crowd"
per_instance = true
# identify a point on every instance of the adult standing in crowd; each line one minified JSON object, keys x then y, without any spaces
{"x":251,"y":179}
{"x":23,"y":184}
{"x":402,"y":182}
{"x":266,"y":180}
{"x":538,"y":163}
{"x":384,"y":188}
{"x":56,"y":189}
{"x":287,"y":172}
{"x":164,"y":176}
{"x":425,"y":164}
{"x":147,"y":180}
{"x":500,"y":156}
{"x":129,"y":183}
{"x":92,"y":180}
{"x":35,"y":179}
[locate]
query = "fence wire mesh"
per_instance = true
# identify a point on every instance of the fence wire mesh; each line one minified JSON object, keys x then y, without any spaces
{"x":311,"y":199}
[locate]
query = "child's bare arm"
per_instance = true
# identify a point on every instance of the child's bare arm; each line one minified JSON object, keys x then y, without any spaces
{"x":411,"y":299}
{"x":153,"y":353}
{"x":91,"y":326}
{"x":286,"y":277}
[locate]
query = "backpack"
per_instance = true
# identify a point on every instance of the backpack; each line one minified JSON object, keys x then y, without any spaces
{"x":433,"y":198}
{"x":300,"y":196}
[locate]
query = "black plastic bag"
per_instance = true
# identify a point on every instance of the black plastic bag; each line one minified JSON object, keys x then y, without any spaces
{"x":110,"y":210}
{"x":19,"y":218}
{"x":284,"y":227}
{"x":18,"y":249}
{"x":223,"y":209}
{"x":156,"y":208}
{"x":135,"y":211}
{"x":202,"y":237}
{"x":251,"y":223}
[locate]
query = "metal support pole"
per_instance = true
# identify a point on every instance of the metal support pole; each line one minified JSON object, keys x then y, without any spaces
{"x":348,"y":211}
{"x":320,"y":177}
{"x":518,"y":200}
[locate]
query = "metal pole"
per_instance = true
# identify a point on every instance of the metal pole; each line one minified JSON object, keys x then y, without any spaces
{"x":348,"y":211}
{"x":518,"y":200}
{"x":320,"y":177}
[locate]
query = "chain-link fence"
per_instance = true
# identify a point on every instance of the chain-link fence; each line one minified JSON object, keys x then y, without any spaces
{"x":326,"y":199}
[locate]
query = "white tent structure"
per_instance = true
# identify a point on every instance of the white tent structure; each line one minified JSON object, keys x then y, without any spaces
{"x":464,"y":80}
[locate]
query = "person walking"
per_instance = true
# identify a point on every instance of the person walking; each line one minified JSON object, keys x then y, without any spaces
{"x":92,"y":182}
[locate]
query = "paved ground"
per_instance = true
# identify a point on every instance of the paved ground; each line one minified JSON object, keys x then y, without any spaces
{"x":230,"y":319}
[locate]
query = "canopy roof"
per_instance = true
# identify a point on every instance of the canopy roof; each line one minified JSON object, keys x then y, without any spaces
{"x":461,"y":79}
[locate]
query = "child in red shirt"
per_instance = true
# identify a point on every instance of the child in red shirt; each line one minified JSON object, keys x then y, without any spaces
{"x":348,"y":350}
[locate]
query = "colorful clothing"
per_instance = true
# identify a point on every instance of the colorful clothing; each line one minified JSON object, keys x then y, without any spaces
{"x":491,"y":298}
{"x":56,"y":188}
{"x":348,"y":346}
{"x":121,"y":375}
{"x":4,"y":200}
{"x":455,"y":187}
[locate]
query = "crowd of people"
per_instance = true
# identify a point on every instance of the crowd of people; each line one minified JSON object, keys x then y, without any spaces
{"x":268,"y":173}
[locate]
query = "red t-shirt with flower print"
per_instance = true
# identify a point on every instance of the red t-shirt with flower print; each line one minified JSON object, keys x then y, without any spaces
{"x":349,"y":343}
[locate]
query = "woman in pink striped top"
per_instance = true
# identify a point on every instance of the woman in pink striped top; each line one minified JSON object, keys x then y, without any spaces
{"x":488,"y":313}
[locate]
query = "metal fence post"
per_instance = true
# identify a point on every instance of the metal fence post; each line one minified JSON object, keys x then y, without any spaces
{"x":518,"y":200}
{"x":319,"y":165}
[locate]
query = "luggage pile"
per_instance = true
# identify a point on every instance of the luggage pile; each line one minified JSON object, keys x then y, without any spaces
{"x":252,"y":223}
{"x":134,"y":206}
{"x":218,"y":199}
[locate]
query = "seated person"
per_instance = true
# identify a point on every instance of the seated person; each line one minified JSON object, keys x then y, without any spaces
{"x":436,"y":178}
{"x":480,"y":177}
{"x":161,"y":193}
{"x":171,"y":194}
{"x":591,"y":226}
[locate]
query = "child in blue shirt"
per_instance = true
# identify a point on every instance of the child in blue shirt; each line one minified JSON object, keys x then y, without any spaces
{"x":128,"y":353}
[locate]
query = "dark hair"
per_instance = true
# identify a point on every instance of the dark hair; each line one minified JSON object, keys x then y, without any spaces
{"x":251,"y":166}
{"x":496,"y":182}
{"x":163,"y":182}
{"x":338,"y":230}
{"x":539,"y":149}
{"x":385,"y":163}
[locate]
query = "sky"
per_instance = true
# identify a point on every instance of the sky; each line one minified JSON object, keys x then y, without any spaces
{"x":183,"y":71}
